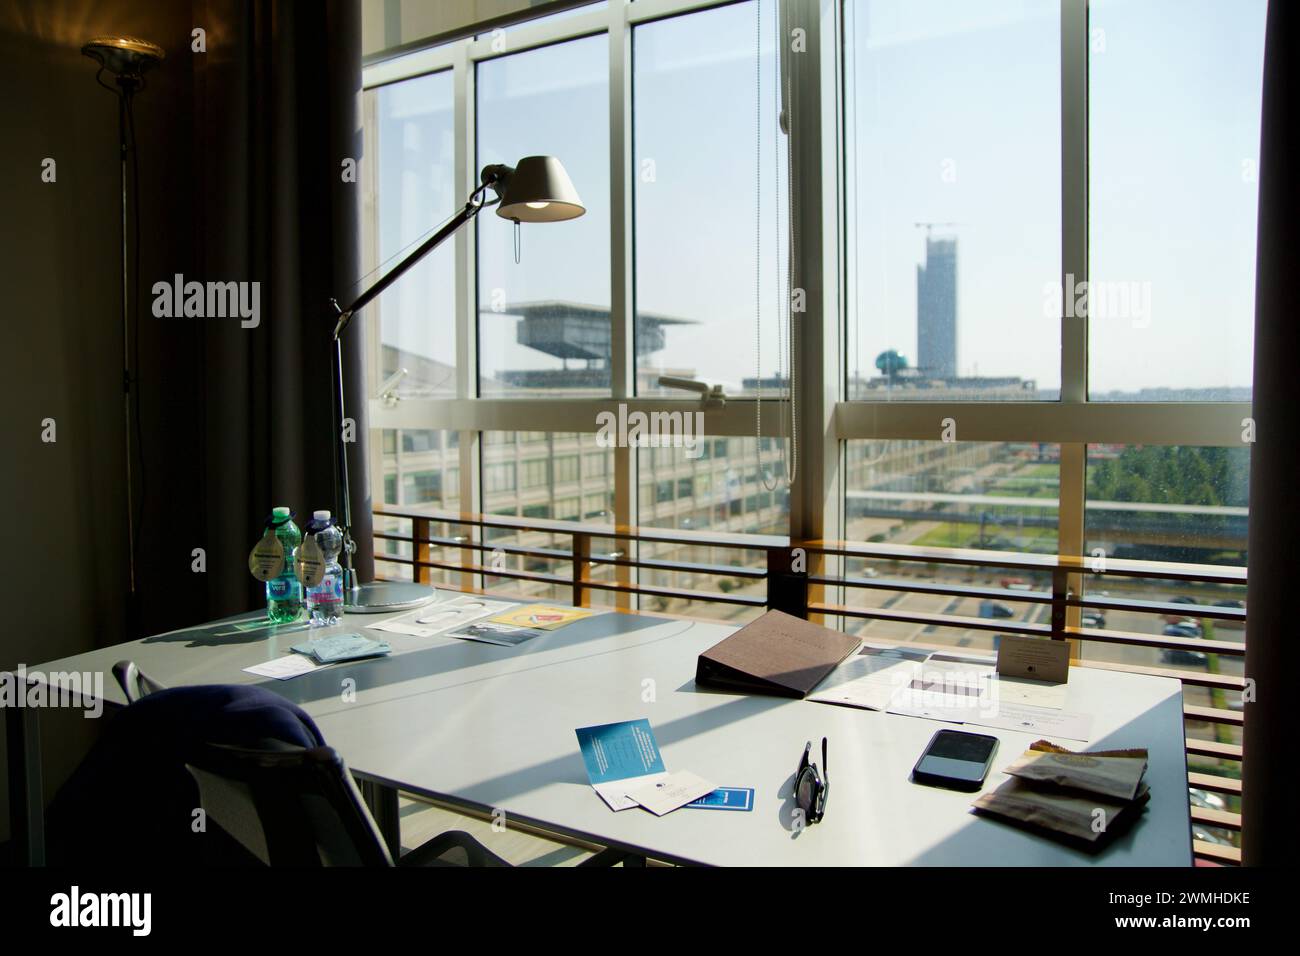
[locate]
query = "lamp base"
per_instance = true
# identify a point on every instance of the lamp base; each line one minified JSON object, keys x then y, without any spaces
{"x":386,"y":597}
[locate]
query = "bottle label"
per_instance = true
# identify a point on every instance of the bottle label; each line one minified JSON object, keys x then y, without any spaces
{"x":266,"y":560}
{"x":283,"y":588}
{"x":329,"y":591}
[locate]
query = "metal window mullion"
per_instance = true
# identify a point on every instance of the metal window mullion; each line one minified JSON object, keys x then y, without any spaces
{"x":1071,"y":529}
{"x":489,"y":46}
{"x":622,"y":310}
{"x":1121,"y":423}
{"x":1074,"y":193}
{"x":411,"y":65}
{"x":466,"y":281}
{"x":816,"y":472}
{"x":373,"y":327}
{"x":644,"y":11}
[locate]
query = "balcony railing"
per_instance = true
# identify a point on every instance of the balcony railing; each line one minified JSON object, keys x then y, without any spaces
{"x":742,"y":574}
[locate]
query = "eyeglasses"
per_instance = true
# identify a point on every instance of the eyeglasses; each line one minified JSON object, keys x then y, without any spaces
{"x":810,"y":787}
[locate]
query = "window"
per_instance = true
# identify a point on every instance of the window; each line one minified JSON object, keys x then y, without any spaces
{"x":1168,"y":503}
{"x":971,"y":153}
{"x":1000,"y":496}
{"x":536,"y":474}
{"x":953,"y":180}
{"x":498,"y":477}
{"x":953,"y":152}
{"x":544,"y":325}
{"x":414,"y":192}
{"x":1174,"y":112}
{"x":699,"y":288}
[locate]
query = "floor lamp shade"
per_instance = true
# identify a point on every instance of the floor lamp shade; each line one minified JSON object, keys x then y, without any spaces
{"x":123,"y":55}
{"x":540,"y":190}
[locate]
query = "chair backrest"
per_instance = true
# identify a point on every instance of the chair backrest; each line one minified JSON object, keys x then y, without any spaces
{"x":134,"y":682}
{"x":288,"y":806}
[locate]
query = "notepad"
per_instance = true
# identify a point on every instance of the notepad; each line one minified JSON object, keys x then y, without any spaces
{"x":341,"y":647}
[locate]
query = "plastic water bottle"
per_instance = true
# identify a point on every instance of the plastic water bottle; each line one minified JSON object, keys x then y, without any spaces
{"x":284,"y":593}
{"x":325,"y":600}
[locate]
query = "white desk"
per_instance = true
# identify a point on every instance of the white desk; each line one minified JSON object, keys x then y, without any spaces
{"x":491,"y":727}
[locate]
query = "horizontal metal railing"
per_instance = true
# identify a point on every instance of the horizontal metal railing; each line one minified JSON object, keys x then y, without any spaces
{"x":808,"y":578}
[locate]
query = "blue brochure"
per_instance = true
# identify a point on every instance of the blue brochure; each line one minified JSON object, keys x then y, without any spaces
{"x":725,"y":798}
{"x":619,"y":757}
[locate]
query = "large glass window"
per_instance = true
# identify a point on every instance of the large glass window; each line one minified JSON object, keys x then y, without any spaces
{"x":414,"y":191}
{"x":1168,"y":503}
{"x":421,"y":473}
{"x":544,"y":320}
{"x":1174,"y":117}
{"x":953,"y":154}
{"x":1000,"y":496}
{"x":710,"y":209}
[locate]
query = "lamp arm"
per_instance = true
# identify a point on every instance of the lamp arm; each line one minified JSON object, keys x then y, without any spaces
{"x":342,"y":487}
{"x":395,"y":273}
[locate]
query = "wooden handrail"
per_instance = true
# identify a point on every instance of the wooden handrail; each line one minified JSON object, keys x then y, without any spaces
{"x":1159,"y":570}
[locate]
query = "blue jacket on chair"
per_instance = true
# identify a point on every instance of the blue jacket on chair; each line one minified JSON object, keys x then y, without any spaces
{"x":132,"y":800}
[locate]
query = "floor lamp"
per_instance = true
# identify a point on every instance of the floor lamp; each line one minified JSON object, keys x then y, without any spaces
{"x":536,"y":190}
{"x":127,"y":58}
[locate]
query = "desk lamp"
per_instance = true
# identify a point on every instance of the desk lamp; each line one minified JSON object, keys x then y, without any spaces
{"x":536,"y":190}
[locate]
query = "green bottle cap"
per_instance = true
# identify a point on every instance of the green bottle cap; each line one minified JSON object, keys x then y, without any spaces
{"x":281,"y":512}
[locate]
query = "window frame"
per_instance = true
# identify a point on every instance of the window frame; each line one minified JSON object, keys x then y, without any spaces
{"x":826,"y":419}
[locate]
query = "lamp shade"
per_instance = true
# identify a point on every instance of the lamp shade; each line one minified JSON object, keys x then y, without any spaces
{"x":124,"y":55}
{"x":540,"y":190}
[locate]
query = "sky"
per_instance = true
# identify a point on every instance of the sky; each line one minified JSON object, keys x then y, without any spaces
{"x":952,"y":116}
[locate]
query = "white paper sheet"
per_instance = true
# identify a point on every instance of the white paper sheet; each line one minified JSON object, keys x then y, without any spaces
{"x":436,"y":619}
{"x":284,"y":668}
{"x":870,"y":678}
{"x":1036,"y":720}
{"x":614,"y":792}
{"x":1022,"y":690}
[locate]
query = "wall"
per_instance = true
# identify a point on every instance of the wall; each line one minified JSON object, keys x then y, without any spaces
{"x":65,"y":529}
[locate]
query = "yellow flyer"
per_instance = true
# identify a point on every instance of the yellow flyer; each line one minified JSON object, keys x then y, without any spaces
{"x":547,"y":617}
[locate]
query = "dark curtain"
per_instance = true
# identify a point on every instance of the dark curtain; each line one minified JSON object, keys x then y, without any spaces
{"x":275,"y":113}
{"x":1268,"y":789}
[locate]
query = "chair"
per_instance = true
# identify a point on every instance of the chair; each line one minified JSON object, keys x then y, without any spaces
{"x":298,"y":806}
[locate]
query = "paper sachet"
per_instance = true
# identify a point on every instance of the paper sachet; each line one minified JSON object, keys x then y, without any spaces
{"x":1115,"y":774}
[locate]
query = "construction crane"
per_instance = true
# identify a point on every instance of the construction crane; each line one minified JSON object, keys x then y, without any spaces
{"x":929,"y":226}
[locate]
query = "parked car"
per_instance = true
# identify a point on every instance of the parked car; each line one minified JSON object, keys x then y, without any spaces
{"x":1211,"y":835}
{"x":1093,"y":619}
{"x":1016,"y":584}
{"x":1182,"y":655}
{"x":1206,"y":800}
{"x":995,"y":609}
{"x":1234,"y":605}
{"x":1179,"y":599}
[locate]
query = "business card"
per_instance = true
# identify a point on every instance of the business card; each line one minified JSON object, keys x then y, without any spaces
{"x":673,"y":791}
{"x":725,"y":798}
{"x":1038,"y":658}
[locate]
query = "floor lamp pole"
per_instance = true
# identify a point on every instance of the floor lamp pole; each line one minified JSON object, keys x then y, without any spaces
{"x":128,"y":381}
{"x":127,"y":59}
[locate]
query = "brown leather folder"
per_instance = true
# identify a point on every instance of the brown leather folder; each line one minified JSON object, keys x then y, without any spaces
{"x":777,"y":654}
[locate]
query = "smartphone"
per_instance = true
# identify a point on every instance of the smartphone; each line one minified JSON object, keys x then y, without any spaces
{"x":956,"y":760}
